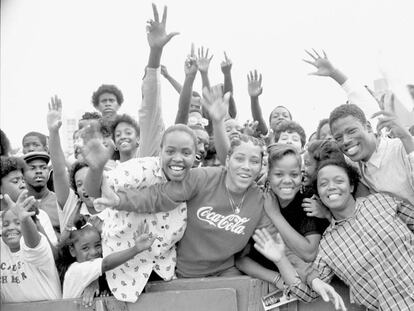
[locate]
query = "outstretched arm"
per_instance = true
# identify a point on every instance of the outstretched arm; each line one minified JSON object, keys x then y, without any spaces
{"x":61,"y":180}
{"x":96,"y":155}
{"x":357,"y":93}
{"x":275,"y":250}
{"x":143,"y":241}
{"x":228,"y":84}
{"x":255,"y":89}
{"x":150,"y":114}
{"x":157,"y":37}
{"x":155,"y":198}
{"x":217,"y":106}
{"x":175,"y":84}
{"x":24,"y":209}
{"x":324,"y":67}
{"x":190,"y":69}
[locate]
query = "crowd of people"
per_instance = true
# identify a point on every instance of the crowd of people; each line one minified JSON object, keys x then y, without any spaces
{"x":209,"y":196}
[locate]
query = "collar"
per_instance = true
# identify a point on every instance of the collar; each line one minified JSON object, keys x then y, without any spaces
{"x":335,"y":222}
{"x":379,"y":153}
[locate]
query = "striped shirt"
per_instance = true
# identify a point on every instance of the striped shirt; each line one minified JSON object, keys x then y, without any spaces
{"x":372,"y":252}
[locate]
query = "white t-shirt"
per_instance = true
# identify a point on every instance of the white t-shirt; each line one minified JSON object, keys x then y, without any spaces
{"x":79,"y":276}
{"x":29,"y":274}
{"x":44,"y":220}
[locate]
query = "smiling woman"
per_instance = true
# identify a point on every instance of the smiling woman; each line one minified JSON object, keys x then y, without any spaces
{"x":368,"y":245}
{"x":225,"y":206}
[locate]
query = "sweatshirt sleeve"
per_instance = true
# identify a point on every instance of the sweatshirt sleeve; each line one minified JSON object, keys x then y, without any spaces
{"x":40,"y":256}
{"x":162,"y":197}
{"x":150,"y":114}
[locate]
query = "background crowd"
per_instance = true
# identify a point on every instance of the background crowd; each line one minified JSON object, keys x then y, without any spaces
{"x":210,"y":196}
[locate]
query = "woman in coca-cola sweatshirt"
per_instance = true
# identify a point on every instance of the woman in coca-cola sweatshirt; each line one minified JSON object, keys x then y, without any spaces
{"x":224,"y":204}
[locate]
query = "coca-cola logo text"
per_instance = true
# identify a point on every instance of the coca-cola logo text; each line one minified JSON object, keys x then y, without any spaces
{"x":233,"y":223}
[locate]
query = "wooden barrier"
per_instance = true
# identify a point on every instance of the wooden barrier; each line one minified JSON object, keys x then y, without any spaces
{"x":219,"y":294}
{"x":249,"y":290}
{"x":223,"y":299}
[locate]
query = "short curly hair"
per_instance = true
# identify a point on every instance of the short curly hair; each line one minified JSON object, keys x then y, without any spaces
{"x":351,"y":171}
{"x":280,"y":106}
{"x":278,"y":151}
{"x":42,"y":137}
{"x":320,"y":125}
{"x":72,"y":172}
{"x":107,"y":88}
{"x":126,"y":118}
{"x":10,"y":164}
{"x":346,"y":110}
{"x":321,"y":150}
{"x":290,"y":127}
{"x":243,"y":138}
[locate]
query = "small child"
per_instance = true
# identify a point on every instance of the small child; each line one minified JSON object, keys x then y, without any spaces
{"x":290,"y":132}
{"x":85,"y":246}
{"x":28,"y":271}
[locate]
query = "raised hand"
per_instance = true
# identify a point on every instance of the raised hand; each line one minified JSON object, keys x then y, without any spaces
{"x":328,"y":293}
{"x":390,"y":121}
{"x":54,"y":116}
{"x":203,"y":61}
{"x":94,"y":152}
{"x":267,"y":246}
{"x":190,"y":65}
{"x":321,"y":63}
{"x":156,"y":33}
{"x":216,"y":104}
{"x":143,"y":239}
{"x":226,"y":64}
{"x":254,"y":84}
{"x":24,"y":206}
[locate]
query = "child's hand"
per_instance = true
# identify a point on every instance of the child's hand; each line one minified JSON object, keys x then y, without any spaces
{"x":226,"y":65}
{"x":164,"y":71}
{"x":24,"y":207}
{"x":323,"y":65}
{"x":328,"y":293}
{"x":267,"y":246}
{"x":314,"y":208}
{"x":90,"y":292}
{"x":254,"y":84}
{"x":143,"y":239}
{"x":54,"y":116}
{"x":390,"y":120}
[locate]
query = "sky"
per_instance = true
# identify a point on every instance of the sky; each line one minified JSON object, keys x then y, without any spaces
{"x":71,"y":47}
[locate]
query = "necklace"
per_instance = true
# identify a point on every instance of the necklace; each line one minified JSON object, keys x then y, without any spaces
{"x":235,"y":207}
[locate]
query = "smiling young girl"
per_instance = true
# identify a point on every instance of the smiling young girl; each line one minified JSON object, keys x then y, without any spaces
{"x":85,"y":247}
{"x":28,"y":271}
